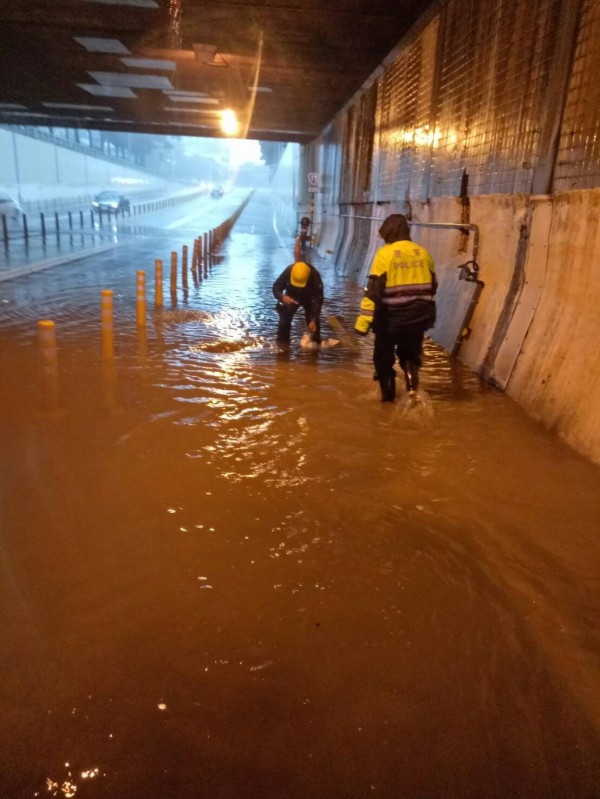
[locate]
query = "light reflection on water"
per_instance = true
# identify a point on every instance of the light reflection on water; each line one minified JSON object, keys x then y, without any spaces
{"x":240,"y":569}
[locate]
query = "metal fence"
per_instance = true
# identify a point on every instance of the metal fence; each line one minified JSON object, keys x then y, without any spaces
{"x":578,"y":161}
{"x":500,"y":93}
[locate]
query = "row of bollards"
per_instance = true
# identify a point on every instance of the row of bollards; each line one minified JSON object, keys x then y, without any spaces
{"x":203,"y":252}
{"x":47,"y":328}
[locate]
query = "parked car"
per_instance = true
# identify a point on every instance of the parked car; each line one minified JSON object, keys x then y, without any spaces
{"x":10,"y":208}
{"x":217,"y":192}
{"x":111,"y":201}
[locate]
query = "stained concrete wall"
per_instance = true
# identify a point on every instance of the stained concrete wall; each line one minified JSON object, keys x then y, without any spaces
{"x":446,"y":152}
{"x":534,"y":328}
{"x":556,"y":376}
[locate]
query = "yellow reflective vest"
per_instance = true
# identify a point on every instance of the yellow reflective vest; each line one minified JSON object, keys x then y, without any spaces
{"x":406,"y":272}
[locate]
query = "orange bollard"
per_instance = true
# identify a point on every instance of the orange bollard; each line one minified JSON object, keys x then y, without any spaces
{"x":142,"y":343}
{"x":195,"y":255}
{"x":206,"y":252}
{"x":47,"y":340}
{"x":141,"y":298}
{"x":184,"y":266}
{"x":109,"y":384}
{"x":47,"y":337}
{"x":158,"y":285}
{"x":173,"y":271}
{"x":106,"y":308}
{"x":200,"y":256}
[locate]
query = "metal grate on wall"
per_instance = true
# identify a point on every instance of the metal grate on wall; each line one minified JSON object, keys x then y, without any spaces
{"x":330,"y":152}
{"x":495,"y":61}
{"x":478,"y":94}
{"x":404,"y":119}
{"x":578,"y":161}
{"x":467,"y":96}
{"x":359,"y":132}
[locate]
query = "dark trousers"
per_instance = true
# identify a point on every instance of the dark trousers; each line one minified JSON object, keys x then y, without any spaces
{"x":286,"y":314}
{"x":406,"y":345}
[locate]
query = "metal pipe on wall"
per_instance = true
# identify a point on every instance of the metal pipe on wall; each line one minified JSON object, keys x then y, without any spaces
{"x":441,"y":225}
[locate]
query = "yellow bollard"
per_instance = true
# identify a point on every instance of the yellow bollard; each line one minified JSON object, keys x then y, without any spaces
{"x":184,"y":266}
{"x":158,"y":286}
{"x":173,"y":272}
{"x":141,"y":298}
{"x":47,"y":340}
{"x":106,"y":307}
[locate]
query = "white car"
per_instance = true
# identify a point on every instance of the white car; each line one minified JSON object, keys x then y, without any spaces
{"x":10,"y":208}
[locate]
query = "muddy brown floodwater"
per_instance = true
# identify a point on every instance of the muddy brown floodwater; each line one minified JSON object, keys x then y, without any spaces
{"x":229,"y":572}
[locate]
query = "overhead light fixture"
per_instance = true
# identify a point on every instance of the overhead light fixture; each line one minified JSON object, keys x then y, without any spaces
{"x":181,"y":93}
{"x":229,"y":123}
{"x":133,"y":81}
{"x":73,"y":106}
{"x":107,"y":91}
{"x":98,"y":45}
{"x":261,"y":89}
{"x":149,"y":63}
{"x":190,"y":99}
{"x":35,"y":114}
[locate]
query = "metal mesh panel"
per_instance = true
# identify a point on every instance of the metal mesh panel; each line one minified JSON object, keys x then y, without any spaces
{"x":399,"y":119}
{"x":330,"y":159}
{"x":496,"y":58}
{"x":358,"y":148}
{"x":477,"y":95}
{"x":347,"y":156}
{"x":366,"y":137}
{"x":578,"y":161}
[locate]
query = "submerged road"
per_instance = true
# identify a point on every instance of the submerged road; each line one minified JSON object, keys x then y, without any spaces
{"x":231,"y":572}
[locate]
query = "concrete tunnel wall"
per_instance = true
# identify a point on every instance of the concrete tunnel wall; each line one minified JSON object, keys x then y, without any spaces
{"x":448,"y":135}
{"x":33,"y":168}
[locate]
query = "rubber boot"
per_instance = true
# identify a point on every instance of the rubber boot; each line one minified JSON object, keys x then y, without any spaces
{"x":411,"y":374}
{"x":388,"y":389}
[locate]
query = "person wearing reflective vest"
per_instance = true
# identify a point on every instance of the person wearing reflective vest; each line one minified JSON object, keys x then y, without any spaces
{"x":398,"y":306}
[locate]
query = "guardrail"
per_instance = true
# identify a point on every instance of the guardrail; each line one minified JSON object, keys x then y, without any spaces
{"x":77,"y":222}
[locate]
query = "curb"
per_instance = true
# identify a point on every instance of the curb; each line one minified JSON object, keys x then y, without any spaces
{"x":29,"y":269}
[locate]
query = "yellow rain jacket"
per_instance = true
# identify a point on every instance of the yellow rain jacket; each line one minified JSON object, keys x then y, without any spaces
{"x":400,"y":273}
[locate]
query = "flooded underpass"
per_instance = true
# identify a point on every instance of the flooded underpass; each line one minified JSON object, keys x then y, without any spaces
{"x":232,"y":572}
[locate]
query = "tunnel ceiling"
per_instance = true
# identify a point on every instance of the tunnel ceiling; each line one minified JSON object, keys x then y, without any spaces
{"x":171,"y":66}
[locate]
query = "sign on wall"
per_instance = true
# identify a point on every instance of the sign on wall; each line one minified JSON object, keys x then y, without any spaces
{"x":314,"y":181}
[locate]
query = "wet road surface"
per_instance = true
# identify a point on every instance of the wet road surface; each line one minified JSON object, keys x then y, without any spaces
{"x":231,"y":572}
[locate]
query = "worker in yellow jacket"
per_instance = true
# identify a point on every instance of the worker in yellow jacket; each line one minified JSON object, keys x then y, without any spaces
{"x":398,"y":305}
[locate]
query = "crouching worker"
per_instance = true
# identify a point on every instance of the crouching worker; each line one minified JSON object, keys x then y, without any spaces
{"x":398,"y":305}
{"x":299,"y":285}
